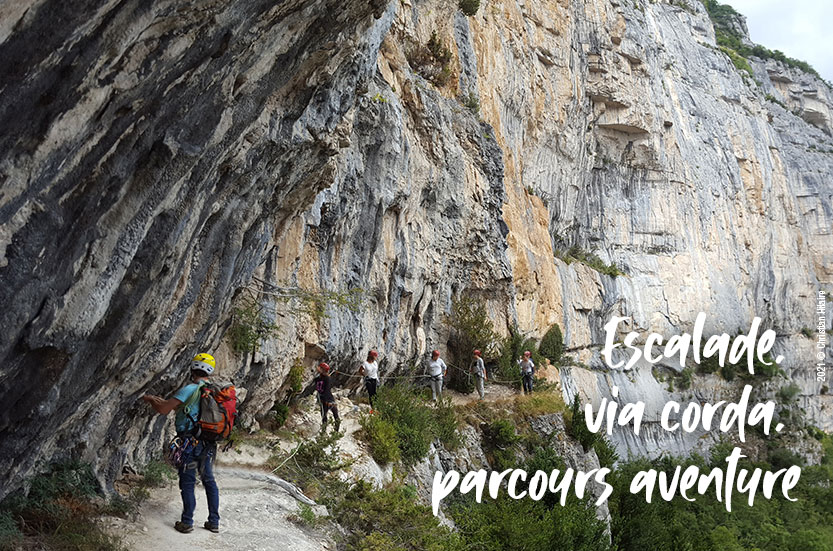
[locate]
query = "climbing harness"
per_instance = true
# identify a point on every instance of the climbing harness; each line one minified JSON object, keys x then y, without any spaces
{"x":178,"y":449}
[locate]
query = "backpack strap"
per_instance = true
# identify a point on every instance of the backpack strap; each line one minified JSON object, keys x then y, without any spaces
{"x":195,"y":420}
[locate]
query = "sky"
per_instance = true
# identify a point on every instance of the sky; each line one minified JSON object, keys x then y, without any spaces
{"x":799,"y":28}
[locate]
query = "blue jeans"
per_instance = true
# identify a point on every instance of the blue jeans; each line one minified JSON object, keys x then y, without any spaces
{"x":527,"y":382}
{"x":199,"y":460}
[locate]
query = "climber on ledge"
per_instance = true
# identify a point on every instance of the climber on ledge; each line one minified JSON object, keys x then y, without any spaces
{"x":479,"y":371}
{"x":370,"y":370}
{"x":527,"y":371}
{"x":436,"y":371}
{"x":326,"y":400}
{"x":197,"y":455}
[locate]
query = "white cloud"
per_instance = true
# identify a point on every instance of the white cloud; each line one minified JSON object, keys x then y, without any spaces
{"x":799,"y":28}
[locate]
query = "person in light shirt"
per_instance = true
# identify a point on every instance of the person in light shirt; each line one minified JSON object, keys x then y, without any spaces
{"x":370,"y":371}
{"x":527,"y":371}
{"x":436,"y":371}
{"x":479,"y":371}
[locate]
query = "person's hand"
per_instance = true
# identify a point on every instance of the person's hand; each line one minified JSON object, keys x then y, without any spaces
{"x":150,"y":398}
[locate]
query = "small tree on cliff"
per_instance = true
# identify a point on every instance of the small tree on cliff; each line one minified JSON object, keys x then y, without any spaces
{"x":469,"y":7}
{"x":552,"y":345}
{"x":470,"y":328}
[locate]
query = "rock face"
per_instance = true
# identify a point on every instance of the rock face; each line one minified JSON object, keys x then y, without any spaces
{"x":160,"y":160}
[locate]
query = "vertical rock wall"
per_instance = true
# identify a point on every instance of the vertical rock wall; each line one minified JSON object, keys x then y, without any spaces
{"x":157,"y":157}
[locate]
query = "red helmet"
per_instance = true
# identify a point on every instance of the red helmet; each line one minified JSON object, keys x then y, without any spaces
{"x":435,"y":354}
{"x":372,"y":354}
{"x":324,"y":366}
{"x":527,"y":353}
{"x":477,"y":352}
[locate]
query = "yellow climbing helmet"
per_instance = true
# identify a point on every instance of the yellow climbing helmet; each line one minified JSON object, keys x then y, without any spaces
{"x":203,"y":362}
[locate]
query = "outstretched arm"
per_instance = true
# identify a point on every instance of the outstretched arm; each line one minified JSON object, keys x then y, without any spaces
{"x":160,"y":405}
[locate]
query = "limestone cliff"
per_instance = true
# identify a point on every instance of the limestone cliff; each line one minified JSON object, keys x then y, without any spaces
{"x":159,"y":156}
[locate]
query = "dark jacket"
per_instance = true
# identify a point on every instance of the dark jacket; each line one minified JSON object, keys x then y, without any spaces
{"x":324,"y":389}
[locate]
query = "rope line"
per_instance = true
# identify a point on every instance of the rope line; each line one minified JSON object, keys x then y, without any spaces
{"x":414,"y":377}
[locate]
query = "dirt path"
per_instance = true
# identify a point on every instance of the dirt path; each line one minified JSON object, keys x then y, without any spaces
{"x":254,"y":508}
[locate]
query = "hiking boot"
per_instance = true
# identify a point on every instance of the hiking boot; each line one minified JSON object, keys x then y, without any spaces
{"x":211,"y":527}
{"x":180,"y":526}
{"x":337,"y":425}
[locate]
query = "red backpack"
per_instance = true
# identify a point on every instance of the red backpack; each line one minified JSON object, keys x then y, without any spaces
{"x":218,"y":410}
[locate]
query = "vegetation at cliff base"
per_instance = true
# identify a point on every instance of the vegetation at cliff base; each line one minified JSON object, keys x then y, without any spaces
{"x":704,"y":524}
{"x":499,"y":439}
{"x":524,"y":524}
{"x":59,"y":512}
{"x":391,"y":519}
{"x":406,"y":424}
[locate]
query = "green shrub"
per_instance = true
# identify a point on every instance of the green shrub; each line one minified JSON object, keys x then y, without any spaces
{"x":248,"y":326}
{"x":576,"y":254}
{"x":499,"y":439}
{"x":552,"y":344}
{"x":511,"y":349}
{"x":740,"y":62}
{"x":60,"y":512}
{"x":312,"y":460}
{"x":788,"y":393}
{"x":306,"y":516}
{"x":391,"y":519}
{"x":471,"y":102}
{"x":382,"y":438}
{"x":445,"y":423}
{"x":10,"y":535}
{"x":727,"y":371}
{"x":685,"y":378}
{"x":431,"y":60}
{"x":578,"y":426}
{"x":469,"y":7}
{"x":773,"y":99}
{"x":782,"y":458}
{"x":524,"y":524}
{"x":157,"y":474}
{"x":763,"y":370}
{"x":606,"y":452}
{"x":411,"y":417}
{"x":278,"y":415}
{"x":469,"y":328}
{"x":295,"y":377}
{"x":769,"y":525}
{"x":407,"y":420}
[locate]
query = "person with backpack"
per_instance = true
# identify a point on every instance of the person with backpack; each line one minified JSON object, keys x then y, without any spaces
{"x":323,"y":387}
{"x":479,"y":371}
{"x":436,"y":371}
{"x":196,"y":454}
{"x":527,"y":371}
{"x":370,"y":370}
